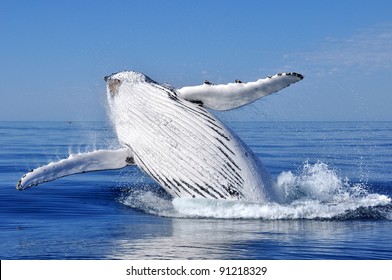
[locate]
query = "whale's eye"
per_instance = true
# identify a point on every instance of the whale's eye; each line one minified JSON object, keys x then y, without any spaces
{"x":114,"y":85}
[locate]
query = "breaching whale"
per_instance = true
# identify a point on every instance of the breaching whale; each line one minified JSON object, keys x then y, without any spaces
{"x":172,"y":136}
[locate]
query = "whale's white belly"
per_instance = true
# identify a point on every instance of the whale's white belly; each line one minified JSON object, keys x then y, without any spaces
{"x":185,"y":148}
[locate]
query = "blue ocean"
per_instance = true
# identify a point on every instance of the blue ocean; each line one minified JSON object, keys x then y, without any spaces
{"x":336,"y":177}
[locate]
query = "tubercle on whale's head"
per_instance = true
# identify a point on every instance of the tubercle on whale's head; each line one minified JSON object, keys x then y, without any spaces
{"x":112,"y":86}
{"x":113,"y":83}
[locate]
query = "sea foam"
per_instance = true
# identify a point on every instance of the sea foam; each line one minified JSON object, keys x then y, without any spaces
{"x":315,"y":191}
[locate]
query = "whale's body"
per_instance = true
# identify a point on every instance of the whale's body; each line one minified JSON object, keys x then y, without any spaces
{"x":172,"y":137}
{"x":182,"y":146}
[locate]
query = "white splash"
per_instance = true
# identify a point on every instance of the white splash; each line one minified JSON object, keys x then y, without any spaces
{"x":313,"y":192}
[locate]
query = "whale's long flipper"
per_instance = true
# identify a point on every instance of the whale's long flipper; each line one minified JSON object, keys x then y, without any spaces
{"x":234,"y":95}
{"x":77,"y":163}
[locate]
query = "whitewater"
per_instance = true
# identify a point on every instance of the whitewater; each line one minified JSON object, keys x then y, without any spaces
{"x":313,"y":192}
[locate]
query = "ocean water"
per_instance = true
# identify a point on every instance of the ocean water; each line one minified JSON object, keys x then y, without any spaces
{"x":336,"y":177}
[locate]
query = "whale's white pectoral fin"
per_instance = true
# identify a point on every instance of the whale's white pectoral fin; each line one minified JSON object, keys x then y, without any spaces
{"x":77,"y":163}
{"x":234,"y":95}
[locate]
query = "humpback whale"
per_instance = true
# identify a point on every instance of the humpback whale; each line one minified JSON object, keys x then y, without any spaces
{"x":173,"y":137}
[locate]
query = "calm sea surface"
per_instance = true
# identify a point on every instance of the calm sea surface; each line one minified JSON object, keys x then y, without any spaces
{"x":336,"y":176}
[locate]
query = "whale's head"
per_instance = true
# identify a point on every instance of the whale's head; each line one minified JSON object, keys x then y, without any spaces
{"x":127,"y":94}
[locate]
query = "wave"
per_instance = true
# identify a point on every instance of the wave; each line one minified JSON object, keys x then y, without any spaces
{"x":315,"y":191}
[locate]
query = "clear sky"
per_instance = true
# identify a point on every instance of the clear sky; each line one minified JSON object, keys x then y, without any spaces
{"x":54,"y":54}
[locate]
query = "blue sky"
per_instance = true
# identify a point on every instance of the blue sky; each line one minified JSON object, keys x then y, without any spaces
{"x":54,"y":54}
